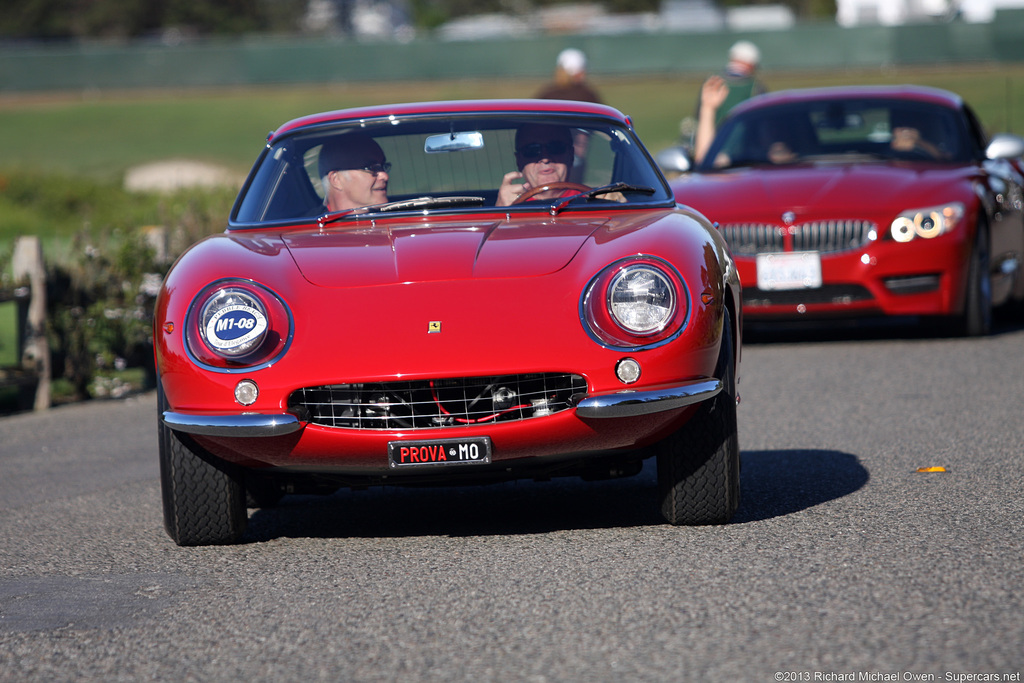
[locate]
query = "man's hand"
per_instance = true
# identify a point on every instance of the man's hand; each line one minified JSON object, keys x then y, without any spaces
{"x":510,"y":190}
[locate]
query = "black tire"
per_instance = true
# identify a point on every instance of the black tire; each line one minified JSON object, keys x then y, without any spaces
{"x":203,"y":498}
{"x":976,"y":319}
{"x":699,"y":465}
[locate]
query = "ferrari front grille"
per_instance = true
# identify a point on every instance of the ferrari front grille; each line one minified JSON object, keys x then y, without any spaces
{"x":825,"y":237}
{"x":429,"y":404}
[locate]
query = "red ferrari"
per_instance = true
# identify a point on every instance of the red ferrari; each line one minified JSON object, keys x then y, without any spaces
{"x":448,"y":293}
{"x":862,"y":202}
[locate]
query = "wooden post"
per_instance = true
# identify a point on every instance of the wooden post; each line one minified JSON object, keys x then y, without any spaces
{"x":28,"y":265}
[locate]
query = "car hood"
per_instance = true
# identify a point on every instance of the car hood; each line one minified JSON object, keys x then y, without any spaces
{"x":423,"y":252}
{"x":754,"y":193}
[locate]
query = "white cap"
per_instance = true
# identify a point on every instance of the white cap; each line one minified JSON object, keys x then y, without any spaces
{"x":746,"y":52}
{"x":572,"y":61}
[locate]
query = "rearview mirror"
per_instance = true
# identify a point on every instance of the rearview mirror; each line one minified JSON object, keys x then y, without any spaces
{"x":453,"y":142}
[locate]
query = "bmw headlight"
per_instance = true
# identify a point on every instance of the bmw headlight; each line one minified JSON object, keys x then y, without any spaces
{"x":927,"y":222}
{"x":638,"y":301}
{"x":237,"y":324}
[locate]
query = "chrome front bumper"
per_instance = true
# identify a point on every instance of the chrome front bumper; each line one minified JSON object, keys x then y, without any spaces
{"x":651,"y":400}
{"x":614,"y":405}
{"x":244,"y":424}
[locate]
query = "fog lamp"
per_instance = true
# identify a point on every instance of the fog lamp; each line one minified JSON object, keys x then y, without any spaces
{"x":503,"y":398}
{"x":627,"y":370}
{"x":246,"y":392}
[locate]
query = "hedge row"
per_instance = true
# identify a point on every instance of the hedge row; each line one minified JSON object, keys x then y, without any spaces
{"x":106,"y":252}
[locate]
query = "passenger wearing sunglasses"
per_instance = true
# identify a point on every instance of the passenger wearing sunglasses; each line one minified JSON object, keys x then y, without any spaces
{"x":353,"y":172}
{"x":544,"y":155}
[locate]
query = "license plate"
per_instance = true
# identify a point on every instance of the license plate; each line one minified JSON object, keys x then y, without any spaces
{"x":792,"y":270}
{"x":439,"y":452}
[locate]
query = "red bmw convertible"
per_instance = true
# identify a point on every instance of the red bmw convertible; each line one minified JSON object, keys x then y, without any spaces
{"x":448,"y":293}
{"x":862,"y":202}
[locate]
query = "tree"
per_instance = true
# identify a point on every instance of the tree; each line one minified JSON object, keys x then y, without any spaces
{"x":80,"y":19}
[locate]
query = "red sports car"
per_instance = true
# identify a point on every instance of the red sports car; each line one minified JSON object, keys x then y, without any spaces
{"x":447,"y":293}
{"x":864,"y":201}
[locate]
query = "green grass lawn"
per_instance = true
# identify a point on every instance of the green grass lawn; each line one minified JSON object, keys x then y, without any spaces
{"x":103,"y":135}
{"x":65,"y":155}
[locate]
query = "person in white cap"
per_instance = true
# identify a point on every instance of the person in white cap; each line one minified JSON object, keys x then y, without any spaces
{"x":720,"y":93}
{"x":570,"y":81}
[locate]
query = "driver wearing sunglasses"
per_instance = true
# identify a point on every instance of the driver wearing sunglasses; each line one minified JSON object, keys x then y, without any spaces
{"x":544,"y":155}
{"x":353,"y":172}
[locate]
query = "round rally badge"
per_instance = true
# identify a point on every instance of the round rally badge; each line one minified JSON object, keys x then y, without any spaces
{"x":234,"y":327}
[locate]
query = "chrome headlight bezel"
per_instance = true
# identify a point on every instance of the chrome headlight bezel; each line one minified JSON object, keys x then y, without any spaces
{"x":236,"y":325}
{"x":635,"y":302}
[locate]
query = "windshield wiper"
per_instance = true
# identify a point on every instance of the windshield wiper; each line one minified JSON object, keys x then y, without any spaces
{"x":332,"y":216}
{"x":598,"y":191}
{"x":428,"y":202}
{"x":400,"y":205}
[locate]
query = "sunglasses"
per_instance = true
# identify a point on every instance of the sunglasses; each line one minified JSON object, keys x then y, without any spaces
{"x":543,"y":150}
{"x":376,"y":169}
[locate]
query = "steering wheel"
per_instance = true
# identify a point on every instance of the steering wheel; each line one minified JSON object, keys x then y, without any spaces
{"x":550,"y":186}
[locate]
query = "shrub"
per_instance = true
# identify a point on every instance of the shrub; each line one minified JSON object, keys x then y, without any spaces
{"x":106,"y":251}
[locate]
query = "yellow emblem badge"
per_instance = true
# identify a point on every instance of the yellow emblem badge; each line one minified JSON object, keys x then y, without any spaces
{"x":434,"y":327}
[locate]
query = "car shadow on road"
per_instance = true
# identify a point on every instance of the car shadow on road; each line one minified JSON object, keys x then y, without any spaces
{"x":783,"y":482}
{"x":773,"y":484}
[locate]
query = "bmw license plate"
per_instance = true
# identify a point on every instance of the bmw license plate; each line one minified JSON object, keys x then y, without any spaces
{"x":790,"y":270}
{"x":439,"y":452}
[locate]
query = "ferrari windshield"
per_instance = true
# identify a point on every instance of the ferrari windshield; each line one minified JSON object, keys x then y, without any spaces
{"x":451,"y":162}
{"x":840,"y":129}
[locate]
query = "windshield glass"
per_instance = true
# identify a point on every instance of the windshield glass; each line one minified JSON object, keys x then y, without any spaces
{"x":840,"y":129}
{"x":452,"y":162}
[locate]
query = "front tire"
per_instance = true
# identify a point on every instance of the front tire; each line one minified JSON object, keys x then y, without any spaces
{"x":976,"y":319}
{"x":699,"y":465}
{"x":203,"y":498}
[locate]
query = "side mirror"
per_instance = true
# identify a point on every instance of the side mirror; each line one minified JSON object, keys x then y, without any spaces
{"x":674,"y":160}
{"x":1005,"y":146}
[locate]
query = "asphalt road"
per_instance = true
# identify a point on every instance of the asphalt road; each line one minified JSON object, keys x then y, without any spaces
{"x":843,"y":560}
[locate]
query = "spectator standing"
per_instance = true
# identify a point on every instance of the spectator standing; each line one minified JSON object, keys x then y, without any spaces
{"x":720,"y":93}
{"x":570,"y":81}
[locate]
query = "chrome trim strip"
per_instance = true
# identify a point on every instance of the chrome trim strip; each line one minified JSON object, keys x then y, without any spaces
{"x":632,"y":403}
{"x":241,"y":425}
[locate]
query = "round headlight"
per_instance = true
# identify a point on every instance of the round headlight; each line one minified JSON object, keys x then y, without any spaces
{"x":236,"y":324}
{"x":929,"y":224}
{"x":641,"y":299}
{"x":903,"y":229}
{"x":636,"y":302}
{"x":233,"y":322}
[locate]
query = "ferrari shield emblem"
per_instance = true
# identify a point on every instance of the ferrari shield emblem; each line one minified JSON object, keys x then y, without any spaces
{"x":434,"y":327}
